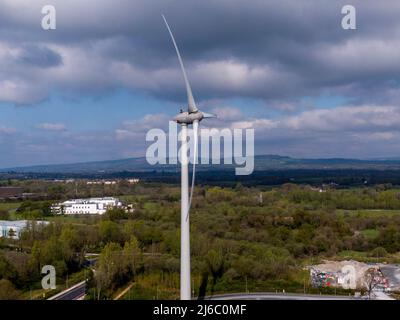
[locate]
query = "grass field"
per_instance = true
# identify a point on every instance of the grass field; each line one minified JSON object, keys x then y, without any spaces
{"x":370,"y":233}
{"x":350,"y":254}
{"x":9,"y":206}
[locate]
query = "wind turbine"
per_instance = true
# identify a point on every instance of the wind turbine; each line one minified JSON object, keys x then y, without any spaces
{"x":192,"y":117}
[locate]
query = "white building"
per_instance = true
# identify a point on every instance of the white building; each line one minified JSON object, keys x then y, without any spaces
{"x":86,"y":206}
{"x":13,"y":229}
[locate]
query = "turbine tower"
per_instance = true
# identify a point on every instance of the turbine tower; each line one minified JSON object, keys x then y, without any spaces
{"x":192,"y":117}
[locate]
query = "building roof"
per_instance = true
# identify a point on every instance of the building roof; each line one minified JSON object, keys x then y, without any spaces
{"x":89,"y":200}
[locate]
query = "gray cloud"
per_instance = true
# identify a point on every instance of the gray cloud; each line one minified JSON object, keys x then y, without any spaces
{"x":277,"y":52}
{"x":271,"y":50}
{"x":346,"y":131}
{"x":38,"y":56}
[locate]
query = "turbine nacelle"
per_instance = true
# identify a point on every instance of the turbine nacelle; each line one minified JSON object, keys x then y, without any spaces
{"x":190,"y":117}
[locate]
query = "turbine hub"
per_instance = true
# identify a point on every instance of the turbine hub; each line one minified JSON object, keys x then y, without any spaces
{"x":188,"y":118}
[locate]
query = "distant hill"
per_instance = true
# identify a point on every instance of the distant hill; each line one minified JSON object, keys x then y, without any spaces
{"x":130,"y":164}
{"x":262,"y":162}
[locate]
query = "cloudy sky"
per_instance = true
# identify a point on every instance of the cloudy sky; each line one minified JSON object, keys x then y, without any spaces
{"x":91,"y":89}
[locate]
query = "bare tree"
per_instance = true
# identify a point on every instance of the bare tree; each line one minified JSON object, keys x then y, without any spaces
{"x":371,"y":280}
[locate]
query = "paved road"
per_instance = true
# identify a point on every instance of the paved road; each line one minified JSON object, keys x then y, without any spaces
{"x":378,"y":295}
{"x":392,"y":273}
{"x":276,"y":296}
{"x":74,"y":293}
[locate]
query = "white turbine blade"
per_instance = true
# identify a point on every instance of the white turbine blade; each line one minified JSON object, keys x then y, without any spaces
{"x":191,"y":103}
{"x":208,"y":115}
{"x":195,"y":145}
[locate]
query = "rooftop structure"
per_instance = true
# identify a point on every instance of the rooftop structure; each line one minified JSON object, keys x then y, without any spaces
{"x":111,"y":182}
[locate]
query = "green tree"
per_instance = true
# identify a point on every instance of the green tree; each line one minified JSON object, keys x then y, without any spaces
{"x":132,"y":254}
{"x":116,"y":214}
{"x":378,"y":252}
{"x":7,"y":270}
{"x":215,"y":263}
{"x":110,"y":232}
{"x":70,"y":238}
{"x":36,"y":255}
{"x":111,"y":269}
{"x":8,"y":291}
{"x":389,"y":238}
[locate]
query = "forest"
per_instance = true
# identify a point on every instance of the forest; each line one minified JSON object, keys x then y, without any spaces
{"x":242,"y":238}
